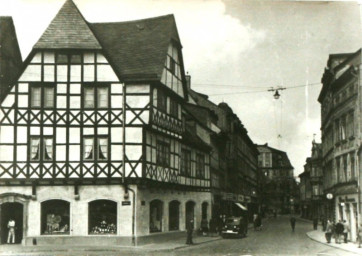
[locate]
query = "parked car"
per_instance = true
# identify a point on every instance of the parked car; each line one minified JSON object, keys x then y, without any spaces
{"x":235,"y":226}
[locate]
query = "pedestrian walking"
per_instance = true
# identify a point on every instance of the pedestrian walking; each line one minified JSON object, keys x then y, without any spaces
{"x":329,"y":231}
{"x":255,"y":216}
{"x":220,"y":224}
{"x":339,"y":231}
{"x":315,"y":223}
{"x":359,"y":235}
{"x":345,"y":231}
{"x":324,"y":223}
{"x":190,"y":229}
{"x":292,"y":222}
{"x":11,"y":233}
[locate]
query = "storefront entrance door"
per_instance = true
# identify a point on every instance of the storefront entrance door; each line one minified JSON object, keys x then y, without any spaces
{"x":11,"y":211}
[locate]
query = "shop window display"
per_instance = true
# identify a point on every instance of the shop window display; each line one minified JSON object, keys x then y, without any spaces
{"x":156,"y":212}
{"x":55,"y":217}
{"x":102,"y":217}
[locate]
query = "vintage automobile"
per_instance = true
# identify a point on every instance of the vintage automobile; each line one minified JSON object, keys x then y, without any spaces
{"x":235,"y":226}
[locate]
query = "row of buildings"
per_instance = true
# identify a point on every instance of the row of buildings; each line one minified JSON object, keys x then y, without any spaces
{"x":103,"y":140}
{"x":330,"y":184}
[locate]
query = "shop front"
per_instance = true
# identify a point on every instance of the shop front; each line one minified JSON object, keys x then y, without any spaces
{"x":346,"y":208}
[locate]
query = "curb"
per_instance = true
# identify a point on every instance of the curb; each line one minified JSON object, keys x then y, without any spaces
{"x":328,"y":244}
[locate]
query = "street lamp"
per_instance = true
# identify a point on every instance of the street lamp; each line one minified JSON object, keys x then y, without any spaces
{"x":276,"y":90}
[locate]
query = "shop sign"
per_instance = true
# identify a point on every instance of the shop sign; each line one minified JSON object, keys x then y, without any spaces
{"x":126,"y":203}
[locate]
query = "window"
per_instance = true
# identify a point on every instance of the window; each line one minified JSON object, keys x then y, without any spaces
{"x":161,"y":100}
{"x":267,"y":160}
{"x":352,"y":166}
{"x":200,"y":166}
{"x":100,"y":149}
{"x":55,"y":217}
{"x":45,"y":91}
{"x":185,"y":162}
{"x":172,"y":65}
{"x":102,"y":216}
{"x":95,"y":96}
{"x":35,"y":97}
{"x":61,"y":58}
{"x":40,"y":148}
{"x":163,"y":154}
{"x":173,"y":108}
{"x":156,"y":212}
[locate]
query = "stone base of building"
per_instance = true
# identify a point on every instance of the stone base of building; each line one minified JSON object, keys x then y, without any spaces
{"x":103,"y":240}
{"x":79,"y":240}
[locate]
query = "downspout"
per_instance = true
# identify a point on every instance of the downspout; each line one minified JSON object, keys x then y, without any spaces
{"x":134,"y":240}
{"x":126,"y":188}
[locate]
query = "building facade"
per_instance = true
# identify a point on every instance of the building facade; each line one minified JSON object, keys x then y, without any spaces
{"x":93,"y":146}
{"x":311,"y":185}
{"x":234,"y":175}
{"x":280,"y":191}
{"x":340,"y":100}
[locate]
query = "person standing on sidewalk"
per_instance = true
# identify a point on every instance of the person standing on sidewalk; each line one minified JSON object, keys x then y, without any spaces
{"x":190,"y":229}
{"x":339,"y":231}
{"x":292,"y":222}
{"x":345,"y":231}
{"x":329,"y":231}
{"x":11,"y":233}
{"x":359,"y":235}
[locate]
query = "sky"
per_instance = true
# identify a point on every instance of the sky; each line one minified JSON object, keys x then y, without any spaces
{"x":235,"y":51}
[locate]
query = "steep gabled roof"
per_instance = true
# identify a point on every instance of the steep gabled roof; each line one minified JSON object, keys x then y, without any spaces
{"x":137,"y":48}
{"x":10,"y":56}
{"x":68,"y":30}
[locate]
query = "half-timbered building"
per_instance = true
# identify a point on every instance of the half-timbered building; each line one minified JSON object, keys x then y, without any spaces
{"x":93,"y":148}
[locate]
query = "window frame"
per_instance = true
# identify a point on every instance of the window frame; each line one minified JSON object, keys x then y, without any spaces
{"x":96,"y":148}
{"x":173,"y":108}
{"x":43,"y":98}
{"x":161,"y":100}
{"x":41,"y":148}
{"x":163,"y":157}
{"x":96,"y":87}
{"x":185,"y":167}
{"x":200,"y":166}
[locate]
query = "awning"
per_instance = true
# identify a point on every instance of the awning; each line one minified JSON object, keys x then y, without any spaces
{"x":242,"y":207}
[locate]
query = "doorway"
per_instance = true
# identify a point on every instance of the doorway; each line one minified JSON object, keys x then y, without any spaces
{"x":190,"y":208}
{"x":12,"y":211}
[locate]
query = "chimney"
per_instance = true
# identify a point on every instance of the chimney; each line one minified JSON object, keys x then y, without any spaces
{"x":188,"y":81}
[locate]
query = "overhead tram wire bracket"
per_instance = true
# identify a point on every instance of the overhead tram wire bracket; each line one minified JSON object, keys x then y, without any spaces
{"x":276,"y":90}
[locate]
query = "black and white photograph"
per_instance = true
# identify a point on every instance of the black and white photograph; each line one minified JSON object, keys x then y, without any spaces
{"x":180,"y":127}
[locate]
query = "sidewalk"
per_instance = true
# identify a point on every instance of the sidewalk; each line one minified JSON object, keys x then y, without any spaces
{"x":318,"y":236}
{"x":167,"y":244}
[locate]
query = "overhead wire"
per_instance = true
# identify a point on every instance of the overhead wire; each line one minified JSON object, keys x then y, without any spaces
{"x":265,"y":90}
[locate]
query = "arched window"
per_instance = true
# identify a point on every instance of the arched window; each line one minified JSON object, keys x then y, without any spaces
{"x":190,"y":209}
{"x":102,"y":216}
{"x":156,"y":212}
{"x":174,"y":215}
{"x":55,"y":217}
{"x":204,"y":207}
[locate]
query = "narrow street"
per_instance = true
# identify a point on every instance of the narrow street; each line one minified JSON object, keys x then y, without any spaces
{"x":276,"y":238}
